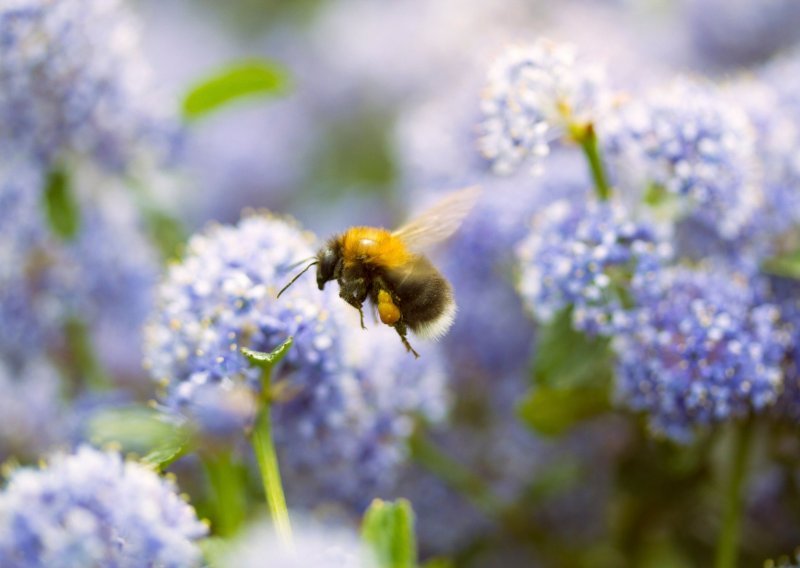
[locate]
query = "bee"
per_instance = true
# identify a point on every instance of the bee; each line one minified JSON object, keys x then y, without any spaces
{"x":390,"y":270}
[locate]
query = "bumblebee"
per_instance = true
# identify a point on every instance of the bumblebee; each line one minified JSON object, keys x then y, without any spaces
{"x":390,"y":270}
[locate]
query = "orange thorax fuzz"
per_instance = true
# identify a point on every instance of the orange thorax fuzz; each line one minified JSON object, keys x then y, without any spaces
{"x":374,"y":246}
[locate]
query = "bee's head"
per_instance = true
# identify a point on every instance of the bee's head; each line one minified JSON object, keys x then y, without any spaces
{"x":327,"y":259}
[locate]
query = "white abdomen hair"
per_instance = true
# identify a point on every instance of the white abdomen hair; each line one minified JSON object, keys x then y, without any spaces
{"x":439,"y":326}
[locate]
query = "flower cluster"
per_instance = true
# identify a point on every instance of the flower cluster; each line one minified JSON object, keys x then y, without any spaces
{"x":93,"y":509}
{"x":687,"y":142}
{"x":704,"y":350}
{"x":534,"y":95}
{"x":74,"y":82}
{"x":46,"y":282}
{"x":348,"y":399}
{"x":590,"y":257}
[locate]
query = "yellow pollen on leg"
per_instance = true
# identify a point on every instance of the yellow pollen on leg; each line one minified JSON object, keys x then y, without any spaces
{"x":387,"y":310}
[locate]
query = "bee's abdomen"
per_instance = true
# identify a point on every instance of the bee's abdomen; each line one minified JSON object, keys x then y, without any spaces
{"x":425,"y":298}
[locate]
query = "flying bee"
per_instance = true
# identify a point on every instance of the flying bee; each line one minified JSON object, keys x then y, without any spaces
{"x":391,"y":271}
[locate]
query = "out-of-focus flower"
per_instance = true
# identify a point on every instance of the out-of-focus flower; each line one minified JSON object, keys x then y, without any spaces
{"x":534,"y":95}
{"x":703,"y":351}
{"x":688,"y":146}
{"x":74,"y":83}
{"x":103,"y":277}
{"x":313,"y":545}
{"x":740,"y":32}
{"x":93,"y":509}
{"x":590,"y":256}
{"x":342,"y":426}
{"x":219,"y":410}
{"x":778,"y":149}
{"x":393,"y":390}
{"x":33,"y":416}
{"x":785,"y":293}
{"x":366,"y":54}
{"x":781,"y":74}
{"x":221,"y":297}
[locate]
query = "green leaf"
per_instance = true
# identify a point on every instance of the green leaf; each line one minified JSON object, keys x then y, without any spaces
{"x":553,"y":411}
{"x":249,"y":78}
{"x":787,"y":266}
{"x":388,"y":531}
{"x":555,"y":479}
{"x":167,"y":231}
{"x":567,"y":358}
{"x":439,"y":563}
{"x":140,"y":430}
{"x":61,"y":209}
{"x":83,"y":358}
{"x":215,"y":551}
{"x":267,"y":361}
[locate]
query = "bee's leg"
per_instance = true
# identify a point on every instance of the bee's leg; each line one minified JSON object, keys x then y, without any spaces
{"x":354,"y":292}
{"x":400,"y":327}
{"x":359,"y":306}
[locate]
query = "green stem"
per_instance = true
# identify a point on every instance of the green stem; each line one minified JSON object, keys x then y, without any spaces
{"x":728,"y":543}
{"x":82,"y":352}
{"x":428,"y":455}
{"x":268,"y":465}
{"x":587,"y":138}
{"x":226,"y":482}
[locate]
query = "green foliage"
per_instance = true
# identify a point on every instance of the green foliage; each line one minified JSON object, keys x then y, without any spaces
{"x":167,"y":232}
{"x":214,"y":549}
{"x":553,"y":411}
{"x":571,"y":375}
{"x":84,"y":362}
{"x":439,"y":563}
{"x":236,"y":81}
{"x":787,"y":266}
{"x":567,"y":358}
{"x":263,"y":444}
{"x":388,"y":530}
{"x":61,"y":209}
{"x":143,"y":431}
{"x":355,"y":154}
{"x":267,"y":361}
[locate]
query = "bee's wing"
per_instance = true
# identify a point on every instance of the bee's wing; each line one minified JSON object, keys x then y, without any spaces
{"x":439,"y":221}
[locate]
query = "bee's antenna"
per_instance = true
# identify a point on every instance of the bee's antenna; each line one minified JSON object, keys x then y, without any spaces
{"x":299,"y":262}
{"x":299,"y":274}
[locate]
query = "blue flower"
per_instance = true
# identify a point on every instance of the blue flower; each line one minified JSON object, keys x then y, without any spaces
{"x":780,"y":74}
{"x":93,"y":509}
{"x":778,"y":150}
{"x":533,"y":95}
{"x":740,"y":32}
{"x":103,"y":277}
{"x":704,"y":350}
{"x":33,"y":414}
{"x":74,"y":82}
{"x":493,"y":334}
{"x":687,"y":147}
{"x":341,"y":427}
{"x":588,"y":256}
